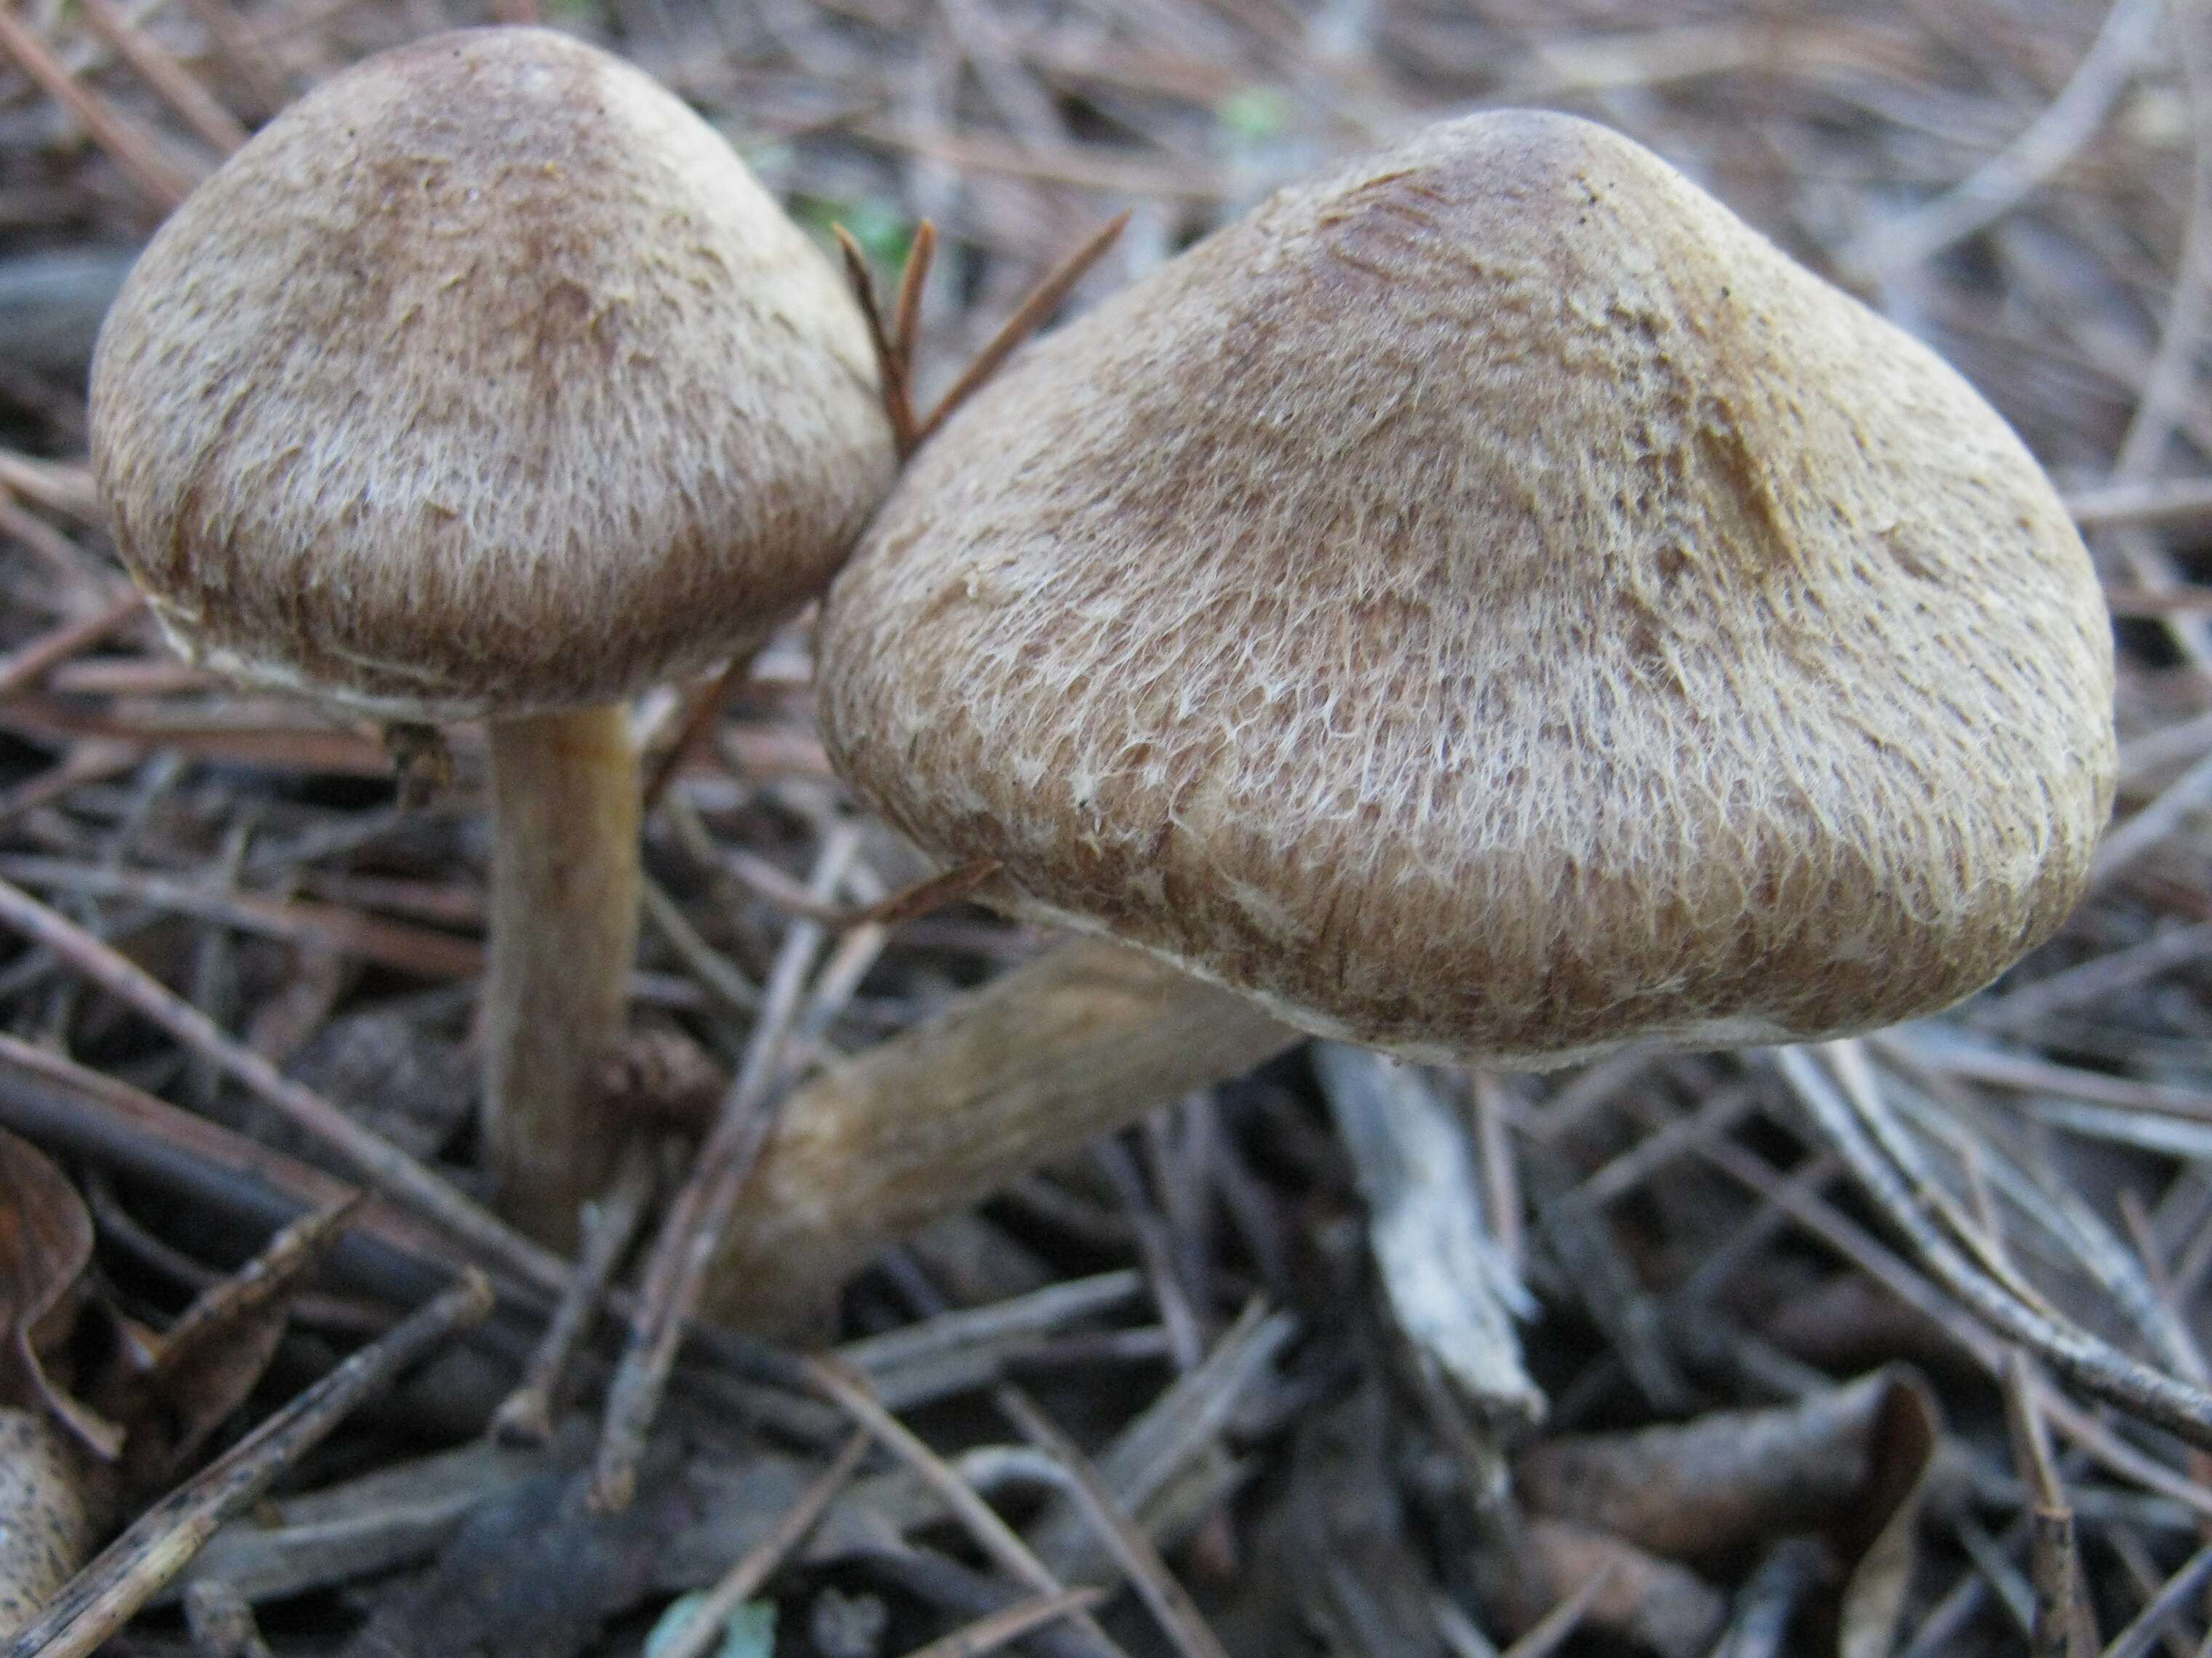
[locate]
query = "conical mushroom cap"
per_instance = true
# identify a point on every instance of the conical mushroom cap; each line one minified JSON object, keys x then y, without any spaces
{"x":1491,"y":601}
{"x":485,"y":380}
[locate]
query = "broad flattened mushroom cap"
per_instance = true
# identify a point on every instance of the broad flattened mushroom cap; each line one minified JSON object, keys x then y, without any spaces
{"x":1491,"y":601}
{"x":486,"y":379}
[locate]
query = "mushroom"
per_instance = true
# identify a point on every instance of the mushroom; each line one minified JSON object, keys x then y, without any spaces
{"x":486,"y":382}
{"x":1489,"y":602}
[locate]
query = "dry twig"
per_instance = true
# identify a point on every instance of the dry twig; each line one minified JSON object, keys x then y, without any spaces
{"x":389,"y":1170}
{"x":133,"y":150}
{"x":704,"y":1627}
{"x":987,"y":1635}
{"x":998,"y":1540}
{"x":693,"y":1229}
{"x":526,"y":1416}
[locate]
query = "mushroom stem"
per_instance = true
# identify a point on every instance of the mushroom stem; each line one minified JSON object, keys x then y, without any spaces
{"x":564,"y":934}
{"x":1079,"y":1042}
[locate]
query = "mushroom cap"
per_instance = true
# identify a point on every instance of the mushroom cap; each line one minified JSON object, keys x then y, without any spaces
{"x":1491,"y":601}
{"x":485,"y":380}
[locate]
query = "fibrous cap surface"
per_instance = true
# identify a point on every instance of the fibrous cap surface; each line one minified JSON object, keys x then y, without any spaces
{"x":485,"y":380}
{"x":1491,"y":601}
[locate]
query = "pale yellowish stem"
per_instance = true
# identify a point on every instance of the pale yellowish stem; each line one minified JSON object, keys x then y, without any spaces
{"x":564,"y":934}
{"x":1083,"y":1041}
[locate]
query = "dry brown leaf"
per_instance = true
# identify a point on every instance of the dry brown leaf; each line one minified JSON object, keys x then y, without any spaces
{"x":45,"y":1244}
{"x":195,"y":1375}
{"x":1900,"y":1454}
{"x":1851,"y":1464}
{"x":1726,"y":1479}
